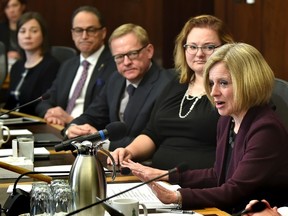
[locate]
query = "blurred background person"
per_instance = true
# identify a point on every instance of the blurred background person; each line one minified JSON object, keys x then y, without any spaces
{"x":81,"y":78}
{"x":33,"y":74}
{"x":12,"y":11}
{"x":183,"y":123}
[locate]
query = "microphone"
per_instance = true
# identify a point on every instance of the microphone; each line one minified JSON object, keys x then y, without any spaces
{"x":181,"y":168}
{"x":257,"y":207}
{"x":114,"y":131}
{"x":41,"y":98}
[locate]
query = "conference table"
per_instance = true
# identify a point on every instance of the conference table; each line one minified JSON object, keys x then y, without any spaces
{"x":67,"y":158}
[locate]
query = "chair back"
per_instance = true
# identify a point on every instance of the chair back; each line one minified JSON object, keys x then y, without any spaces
{"x":280,"y":99}
{"x":3,"y":63}
{"x":62,"y":53}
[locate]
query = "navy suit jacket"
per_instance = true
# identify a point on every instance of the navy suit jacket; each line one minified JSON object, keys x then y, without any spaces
{"x":59,"y":91}
{"x":105,"y":109}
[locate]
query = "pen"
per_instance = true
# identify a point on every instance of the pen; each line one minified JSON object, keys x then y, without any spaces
{"x":177,"y":211}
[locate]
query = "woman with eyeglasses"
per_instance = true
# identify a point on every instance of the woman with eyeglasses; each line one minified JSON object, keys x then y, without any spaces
{"x":182,"y":126}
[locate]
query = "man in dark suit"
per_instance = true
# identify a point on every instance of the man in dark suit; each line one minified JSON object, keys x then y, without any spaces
{"x":133,"y":54}
{"x":68,"y":98}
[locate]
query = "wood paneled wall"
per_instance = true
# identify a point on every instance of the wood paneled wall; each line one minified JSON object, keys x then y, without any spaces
{"x":163,"y":19}
{"x":263,"y":25}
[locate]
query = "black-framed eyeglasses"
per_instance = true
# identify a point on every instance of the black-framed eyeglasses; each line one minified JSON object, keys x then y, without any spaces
{"x":91,"y":31}
{"x":206,"y":49}
{"x":131,"y":55}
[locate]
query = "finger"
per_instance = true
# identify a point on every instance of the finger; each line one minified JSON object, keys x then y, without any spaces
{"x":114,"y":154}
{"x":121,"y":156}
{"x":252,"y":202}
{"x":266,"y":202}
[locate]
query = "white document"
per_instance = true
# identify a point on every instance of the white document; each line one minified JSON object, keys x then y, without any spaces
{"x":17,"y":132}
{"x":60,"y":168}
{"x":143,"y":193}
{"x":37,"y":151}
{"x":25,"y":187}
{"x":161,"y":214}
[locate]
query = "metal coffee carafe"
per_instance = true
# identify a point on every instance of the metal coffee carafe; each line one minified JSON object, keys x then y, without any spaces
{"x":87,"y":178}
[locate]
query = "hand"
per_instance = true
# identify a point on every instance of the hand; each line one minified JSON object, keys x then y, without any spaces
{"x":163,"y":194}
{"x":80,"y":130}
{"x":13,"y":55}
{"x":144,"y":173}
{"x":269,"y":211}
{"x":119,"y":155}
{"x":58,"y":116}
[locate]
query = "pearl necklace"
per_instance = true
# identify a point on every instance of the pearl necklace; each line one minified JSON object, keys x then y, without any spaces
{"x":190,"y":98}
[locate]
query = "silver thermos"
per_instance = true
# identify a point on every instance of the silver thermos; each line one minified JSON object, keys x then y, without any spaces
{"x":87,"y":178}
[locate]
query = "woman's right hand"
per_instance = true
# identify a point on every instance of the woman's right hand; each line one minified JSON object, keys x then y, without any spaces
{"x":119,"y":155}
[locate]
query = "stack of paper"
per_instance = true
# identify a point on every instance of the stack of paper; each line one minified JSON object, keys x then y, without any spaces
{"x":143,"y":193}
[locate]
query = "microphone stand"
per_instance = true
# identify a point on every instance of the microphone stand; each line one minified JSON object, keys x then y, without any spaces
{"x":43,"y":97}
{"x":127,"y":190}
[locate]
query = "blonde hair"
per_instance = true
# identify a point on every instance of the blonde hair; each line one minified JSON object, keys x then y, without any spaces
{"x":251,"y":76}
{"x":203,"y":21}
{"x":124,"y":29}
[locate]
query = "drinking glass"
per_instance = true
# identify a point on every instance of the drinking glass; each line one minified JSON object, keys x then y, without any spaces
{"x":41,"y":199}
{"x":62,"y":196}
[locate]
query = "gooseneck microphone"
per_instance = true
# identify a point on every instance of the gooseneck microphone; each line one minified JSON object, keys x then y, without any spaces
{"x":181,"y":168}
{"x":41,"y":98}
{"x":114,"y":131}
{"x":257,"y":207}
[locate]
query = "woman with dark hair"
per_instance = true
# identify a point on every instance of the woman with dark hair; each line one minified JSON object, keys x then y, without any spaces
{"x":11,"y":11}
{"x":34,"y":73}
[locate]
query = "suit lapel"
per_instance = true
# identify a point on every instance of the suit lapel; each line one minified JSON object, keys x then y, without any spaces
{"x":72,"y":70}
{"x":119,"y":87}
{"x":97,"y":72}
{"x":222,"y":152}
{"x":141,"y":95}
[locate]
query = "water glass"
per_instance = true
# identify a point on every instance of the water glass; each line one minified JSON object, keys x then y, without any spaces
{"x":41,"y":199}
{"x":62,"y":196}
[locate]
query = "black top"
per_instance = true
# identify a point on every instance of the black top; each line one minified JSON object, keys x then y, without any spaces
{"x":191,"y":139}
{"x":8,"y":37}
{"x":37,"y":81}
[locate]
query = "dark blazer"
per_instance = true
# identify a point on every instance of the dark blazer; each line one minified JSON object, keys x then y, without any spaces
{"x":59,"y":91}
{"x":5,"y":34}
{"x":5,"y":37}
{"x":258,"y":167}
{"x":105,"y":109}
{"x":39,"y":78}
